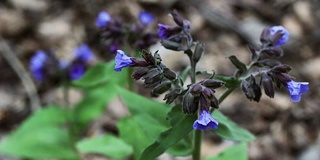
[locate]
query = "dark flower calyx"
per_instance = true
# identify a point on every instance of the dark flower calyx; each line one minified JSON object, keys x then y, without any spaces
{"x":213,"y":84}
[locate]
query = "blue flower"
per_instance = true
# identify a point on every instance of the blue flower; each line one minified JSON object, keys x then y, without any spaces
{"x":122,"y":60}
{"x":205,"y":120}
{"x":146,"y":18}
{"x":296,"y":89}
{"x":76,"y":71}
{"x":285,"y":37}
{"x":103,"y":19}
{"x":163,"y":31}
{"x":37,"y":63}
{"x":83,"y":53}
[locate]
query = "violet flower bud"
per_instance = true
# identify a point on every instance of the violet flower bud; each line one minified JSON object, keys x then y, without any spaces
{"x":280,"y":35}
{"x":37,"y":64}
{"x":103,"y":19}
{"x":146,"y":18}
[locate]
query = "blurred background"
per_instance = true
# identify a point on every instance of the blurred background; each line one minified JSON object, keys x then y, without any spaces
{"x":284,"y":130}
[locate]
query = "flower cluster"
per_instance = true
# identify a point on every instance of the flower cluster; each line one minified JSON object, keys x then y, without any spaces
{"x":199,"y":97}
{"x":265,"y":70}
{"x":115,"y":33}
{"x":45,"y":65}
{"x":178,"y":37}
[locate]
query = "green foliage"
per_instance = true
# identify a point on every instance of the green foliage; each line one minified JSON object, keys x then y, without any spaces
{"x":93,"y":104}
{"x":229,"y":130}
{"x":238,"y":152}
{"x":147,"y":121}
{"x":42,"y":135}
{"x":107,"y":145}
{"x":169,"y":137}
{"x":100,"y":74}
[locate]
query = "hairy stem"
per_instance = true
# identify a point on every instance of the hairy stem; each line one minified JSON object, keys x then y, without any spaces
{"x":196,"y":155}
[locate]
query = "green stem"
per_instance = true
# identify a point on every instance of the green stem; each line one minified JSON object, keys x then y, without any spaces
{"x":196,"y":155}
{"x":225,"y":94}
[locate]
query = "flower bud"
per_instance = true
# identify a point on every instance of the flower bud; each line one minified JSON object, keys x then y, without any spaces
{"x":161,"y":88}
{"x":177,"y":18}
{"x":169,"y":74}
{"x":199,"y":50}
{"x":282,"y":68}
{"x":268,"y":86}
{"x":148,"y":57}
{"x":140,"y":73}
{"x":190,"y":103}
{"x":273,"y":51}
{"x":196,"y":89}
{"x":213,"y":84}
{"x":171,"y":96}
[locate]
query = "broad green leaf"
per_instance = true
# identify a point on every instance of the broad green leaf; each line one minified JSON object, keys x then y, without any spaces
{"x":140,"y":105}
{"x":41,"y":136}
{"x":169,"y":137}
{"x":148,"y":120}
{"x":107,"y":145}
{"x":94,"y":104}
{"x":183,"y":147}
{"x":238,"y":152}
{"x":132,"y":133}
{"x":100,"y":74}
{"x":229,"y":130}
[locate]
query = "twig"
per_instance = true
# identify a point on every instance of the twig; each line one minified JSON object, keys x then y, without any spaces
{"x":14,"y":62}
{"x":217,"y":19}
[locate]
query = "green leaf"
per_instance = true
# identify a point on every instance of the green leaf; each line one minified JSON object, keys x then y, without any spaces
{"x":238,"y":152}
{"x":148,"y":120}
{"x":238,"y":64}
{"x":102,"y":73}
{"x":107,"y":145}
{"x":94,"y":104}
{"x":169,"y":137}
{"x":183,"y":147}
{"x":132,"y":133}
{"x":41,"y":136}
{"x":140,"y":105}
{"x":229,"y":130}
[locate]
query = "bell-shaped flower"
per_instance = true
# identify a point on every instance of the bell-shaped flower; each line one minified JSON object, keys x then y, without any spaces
{"x":83,"y":53}
{"x":146,"y":18}
{"x":285,"y":35}
{"x":122,"y":61}
{"x":103,"y":19}
{"x":205,"y":121}
{"x":296,"y":89}
{"x":37,"y":64}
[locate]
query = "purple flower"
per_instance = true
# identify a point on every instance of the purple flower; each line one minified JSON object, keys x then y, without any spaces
{"x":146,"y":18}
{"x":37,"y":63}
{"x":122,"y":60}
{"x":83,"y":53}
{"x":285,"y":37}
{"x":76,"y":71}
{"x":296,"y":89}
{"x":163,"y":31}
{"x":103,"y":19}
{"x":205,"y":120}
